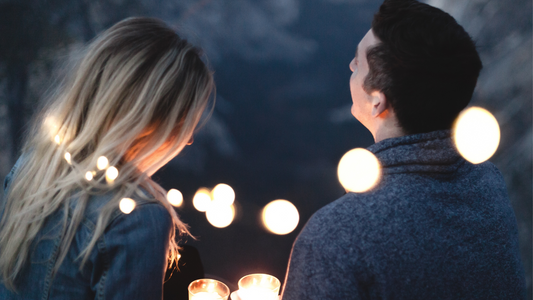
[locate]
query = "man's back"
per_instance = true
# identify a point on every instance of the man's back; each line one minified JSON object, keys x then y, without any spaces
{"x":436,"y":227}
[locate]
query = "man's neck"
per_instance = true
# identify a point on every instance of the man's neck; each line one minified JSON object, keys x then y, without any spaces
{"x":387,"y":131}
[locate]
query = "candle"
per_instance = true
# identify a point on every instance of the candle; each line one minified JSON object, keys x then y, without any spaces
{"x":208,"y":289}
{"x":206,"y":296}
{"x":259,"y":287}
{"x":258,"y":293}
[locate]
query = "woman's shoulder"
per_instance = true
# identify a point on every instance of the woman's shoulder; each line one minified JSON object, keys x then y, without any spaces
{"x":148,"y":222}
{"x":143,"y":207}
{"x":148,"y":215}
{"x":11,"y":173}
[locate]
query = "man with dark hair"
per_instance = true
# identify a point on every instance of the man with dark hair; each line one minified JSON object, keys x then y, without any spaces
{"x":436,"y":226}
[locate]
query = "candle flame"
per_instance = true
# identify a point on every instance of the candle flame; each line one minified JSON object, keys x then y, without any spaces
{"x":210,"y":287}
{"x":204,"y":289}
{"x":259,"y":287}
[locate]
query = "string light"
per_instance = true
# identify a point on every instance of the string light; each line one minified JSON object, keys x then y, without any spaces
{"x":89,"y":176}
{"x":175,"y":197}
{"x":202,"y":199}
{"x":220,"y":215}
{"x":111,"y":174}
{"x":50,"y":124}
{"x":102,"y":162}
{"x":68,"y":158}
{"x":476,"y":134}
{"x":127,"y":205}
{"x":223,"y":193}
{"x":280,"y":217}
{"x":57,"y":139}
{"x":358,"y":170}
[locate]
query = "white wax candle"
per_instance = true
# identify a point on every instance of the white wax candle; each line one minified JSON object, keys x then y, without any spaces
{"x":257,"y":293}
{"x":206,"y":296}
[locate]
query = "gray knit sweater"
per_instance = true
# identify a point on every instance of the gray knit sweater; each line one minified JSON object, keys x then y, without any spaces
{"x":436,"y":227}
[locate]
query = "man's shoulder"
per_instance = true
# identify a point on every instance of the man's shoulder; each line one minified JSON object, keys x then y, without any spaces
{"x":488,"y":169}
{"x":349,"y":203}
{"x":347,"y":216}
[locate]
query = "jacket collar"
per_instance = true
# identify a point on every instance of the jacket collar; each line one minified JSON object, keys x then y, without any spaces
{"x":431,"y":152}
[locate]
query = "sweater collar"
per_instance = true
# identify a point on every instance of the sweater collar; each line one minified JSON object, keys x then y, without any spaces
{"x":431,"y":152}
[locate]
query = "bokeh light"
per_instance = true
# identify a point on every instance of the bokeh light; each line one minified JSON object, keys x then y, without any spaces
{"x":127,"y":205}
{"x":68,"y":158}
{"x":89,"y":176}
{"x":280,"y":217}
{"x":175,"y":197}
{"x":220,"y":215}
{"x":111,"y":174}
{"x":102,"y":162}
{"x":50,"y":125}
{"x":358,"y":170}
{"x":202,"y":199}
{"x":476,"y":134}
{"x":223,"y":194}
{"x":57,"y":139}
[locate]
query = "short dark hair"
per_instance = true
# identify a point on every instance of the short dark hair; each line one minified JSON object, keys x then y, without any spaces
{"x":425,"y":64}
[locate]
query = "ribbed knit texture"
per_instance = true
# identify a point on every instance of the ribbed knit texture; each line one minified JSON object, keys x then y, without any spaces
{"x":435,"y":227}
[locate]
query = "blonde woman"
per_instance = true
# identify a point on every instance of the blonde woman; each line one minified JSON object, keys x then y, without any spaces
{"x":129,"y":107}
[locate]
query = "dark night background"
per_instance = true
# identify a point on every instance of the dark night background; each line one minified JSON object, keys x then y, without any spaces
{"x":282,"y":116}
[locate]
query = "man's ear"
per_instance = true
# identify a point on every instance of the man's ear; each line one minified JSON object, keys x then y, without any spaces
{"x":379,"y":103}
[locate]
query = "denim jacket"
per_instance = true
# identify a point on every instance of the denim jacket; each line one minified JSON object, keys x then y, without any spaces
{"x":128,"y":261}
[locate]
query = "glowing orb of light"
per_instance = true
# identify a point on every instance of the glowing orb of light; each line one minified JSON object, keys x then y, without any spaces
{"x":223,"y":194}
{"x":476,"y":134}
{"x":57,"y":139}
{"x":50,"y":124}
{"x":127,"y":205}
{"x":89,"y":176}
{"x":358,"y":170}
{"x":202,"y":199}
{"x":220,"y":215}
{"x":102,"y":162}
{"x":111,"y":174}
{"x":175,"y":197}
{"x":68,"y":158}
{"x":280,"y":217}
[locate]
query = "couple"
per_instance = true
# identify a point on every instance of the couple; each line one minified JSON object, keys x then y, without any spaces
{"x":436,"y":227}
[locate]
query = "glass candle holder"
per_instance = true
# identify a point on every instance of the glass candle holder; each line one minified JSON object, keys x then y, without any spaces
{"x":208,"y":289}
{"x":259,"y":287}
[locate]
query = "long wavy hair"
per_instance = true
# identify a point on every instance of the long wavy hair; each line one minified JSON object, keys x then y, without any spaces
{"x":135,"y":98}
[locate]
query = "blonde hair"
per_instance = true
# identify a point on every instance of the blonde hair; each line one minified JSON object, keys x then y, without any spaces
{"x":135,"y":98}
